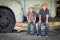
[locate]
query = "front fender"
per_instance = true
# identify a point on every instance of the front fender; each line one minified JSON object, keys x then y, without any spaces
{"x":15,"y":7}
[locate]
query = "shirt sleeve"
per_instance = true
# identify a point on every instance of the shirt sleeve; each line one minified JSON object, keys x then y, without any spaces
{"x":40,"y":11}
{"x":47,"y":12}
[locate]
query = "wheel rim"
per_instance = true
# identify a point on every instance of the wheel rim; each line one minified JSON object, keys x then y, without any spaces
{"x":7,"y":20}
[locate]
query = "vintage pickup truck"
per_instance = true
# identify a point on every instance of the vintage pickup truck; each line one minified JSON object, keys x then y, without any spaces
{"x":12,"y":13}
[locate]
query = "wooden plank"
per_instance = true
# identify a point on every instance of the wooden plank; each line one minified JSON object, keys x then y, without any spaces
{"x":26,"y":24}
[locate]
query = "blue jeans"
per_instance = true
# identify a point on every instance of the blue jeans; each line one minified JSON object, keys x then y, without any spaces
{"x":46,"y":29}
{"x":29,"y":27}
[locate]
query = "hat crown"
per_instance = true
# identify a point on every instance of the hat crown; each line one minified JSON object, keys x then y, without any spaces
{"x":30,"y":6}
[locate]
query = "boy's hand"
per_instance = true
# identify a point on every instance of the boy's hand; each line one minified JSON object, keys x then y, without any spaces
{"x":28,"y":21}
{"x":39,"y":22}
{"x":34,"y":22}
{"x":47,"y":22}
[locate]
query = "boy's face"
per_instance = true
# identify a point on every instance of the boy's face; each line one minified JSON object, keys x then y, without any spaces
{"x":44,"y":7}
{"x":31,"y":9}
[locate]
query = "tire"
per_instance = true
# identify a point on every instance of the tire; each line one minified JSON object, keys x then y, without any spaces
{"x":7,"y":20}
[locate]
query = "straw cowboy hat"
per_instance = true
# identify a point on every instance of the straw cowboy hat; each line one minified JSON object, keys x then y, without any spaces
{"x":44,"y":3}
{"x":31,"y":6}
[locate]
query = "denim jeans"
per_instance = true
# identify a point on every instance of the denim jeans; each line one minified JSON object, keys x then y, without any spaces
{"x":29,"y":27}
{"x":46,"y":29}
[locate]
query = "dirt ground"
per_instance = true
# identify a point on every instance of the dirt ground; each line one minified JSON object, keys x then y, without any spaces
{"x":23,"y":36}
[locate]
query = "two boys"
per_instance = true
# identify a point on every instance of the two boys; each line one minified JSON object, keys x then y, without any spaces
{"x":43,"y":17}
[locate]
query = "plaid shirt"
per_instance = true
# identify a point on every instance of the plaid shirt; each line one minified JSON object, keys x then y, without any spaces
{"x":31,"y":16}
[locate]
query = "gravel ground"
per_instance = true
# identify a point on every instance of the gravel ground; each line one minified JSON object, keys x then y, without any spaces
{"x":24,"y":36}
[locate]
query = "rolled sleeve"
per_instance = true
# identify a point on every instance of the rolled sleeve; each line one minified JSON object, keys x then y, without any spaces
{"x":40,"y":12}
{"x":47,"y":11}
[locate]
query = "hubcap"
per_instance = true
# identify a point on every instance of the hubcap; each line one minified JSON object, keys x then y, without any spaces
{"x":4,"y":21}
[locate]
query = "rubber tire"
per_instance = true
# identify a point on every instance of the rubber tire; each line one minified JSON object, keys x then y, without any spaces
{"x":11,"y":20}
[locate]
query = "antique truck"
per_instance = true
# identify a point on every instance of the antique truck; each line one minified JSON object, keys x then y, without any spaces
{"x":12,"y":13}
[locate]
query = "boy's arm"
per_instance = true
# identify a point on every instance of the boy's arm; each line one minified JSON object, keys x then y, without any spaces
{"x":40,"y":12}
{"x":34,"y":19}
{"x":47,"y":18}
{"x":28,"y":19}
{"x":39,"y":18}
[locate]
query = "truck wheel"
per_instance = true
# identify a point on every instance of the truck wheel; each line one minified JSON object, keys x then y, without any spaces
{"x":7,"y":20}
